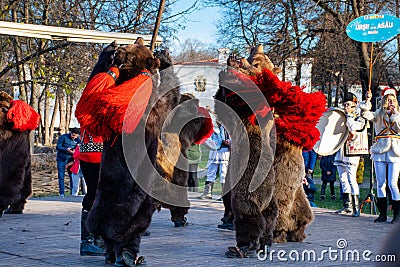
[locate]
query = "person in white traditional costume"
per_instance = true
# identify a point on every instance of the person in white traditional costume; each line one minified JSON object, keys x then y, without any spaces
{"x":385,"y":152}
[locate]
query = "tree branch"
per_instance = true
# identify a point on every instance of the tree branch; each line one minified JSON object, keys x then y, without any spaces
{"x":36,"y":54}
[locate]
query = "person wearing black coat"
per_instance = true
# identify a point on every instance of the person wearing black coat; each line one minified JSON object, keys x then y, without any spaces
{"x":328,"y":175}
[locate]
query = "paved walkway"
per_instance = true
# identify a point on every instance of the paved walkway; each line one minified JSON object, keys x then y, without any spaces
{"x":48,"y":234}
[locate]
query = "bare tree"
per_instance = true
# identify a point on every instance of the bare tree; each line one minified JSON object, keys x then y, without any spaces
{"x":193,"y":50}
{"x":50,"y":75}
{"x":311,"y":28}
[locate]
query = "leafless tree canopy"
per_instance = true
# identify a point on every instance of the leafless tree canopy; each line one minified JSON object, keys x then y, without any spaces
{"x":313,"y":29}
{"x":50,"y":75}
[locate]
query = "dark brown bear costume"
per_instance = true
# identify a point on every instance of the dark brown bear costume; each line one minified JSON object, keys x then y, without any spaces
{"x":123,"y":207}
{"x":255,"y":211}
{"x":186,"y":126}
{"x":17,"y":119}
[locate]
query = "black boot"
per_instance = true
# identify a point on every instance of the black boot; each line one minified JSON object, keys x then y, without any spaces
{"x":88,"y":248}
{"x":10,"y":210}
{"x":396,"y":207}
{"x":227,"y":223}
{"x":323,"y":191}
{"x":356,"y":208}
{"x":347,"y":205}
{"x":382,"y":207}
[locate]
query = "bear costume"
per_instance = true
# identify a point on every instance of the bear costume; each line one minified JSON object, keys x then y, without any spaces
{"x":172,"y":163}
{"x":124,"y":106}
{"x":187,"y":124}
{"x":17,"y":119}
{"x":295,"y":114}
{"x":254,"y":211}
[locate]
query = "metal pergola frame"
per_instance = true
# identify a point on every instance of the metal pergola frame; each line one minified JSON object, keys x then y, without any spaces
{"x":71,"y":34}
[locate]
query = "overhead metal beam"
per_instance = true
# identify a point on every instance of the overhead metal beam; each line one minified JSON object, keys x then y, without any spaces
{"x":71,"y":34}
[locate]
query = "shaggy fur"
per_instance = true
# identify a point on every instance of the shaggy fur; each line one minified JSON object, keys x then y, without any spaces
{"x":15,"y":162}
{"x":255,"y":212}
{"x":294,"y":209}
{"x":123,"y":208}
{"x":180,"y":131}
{"x":171,"y":157}
{"x":295,"y":114}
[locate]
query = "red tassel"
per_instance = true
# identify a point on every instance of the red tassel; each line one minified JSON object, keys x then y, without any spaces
{"x":87,"y":104}
{"x":137,"y":106}
{"x":23,"y":116}
{"x":105,"y":109}
{"x":207,"y":127}
{"x":298,"y":112}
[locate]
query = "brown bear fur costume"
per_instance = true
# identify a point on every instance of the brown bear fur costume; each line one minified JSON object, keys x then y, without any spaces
{"x":295,"y":114}
{"x":172,"y":162}
{"x":255,"y":212}
{"x":15,"y":156}
{"x":184,"y":127}
{"x":123,"y":208}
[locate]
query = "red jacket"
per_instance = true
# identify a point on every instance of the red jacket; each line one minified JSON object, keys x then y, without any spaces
{"x":92,"y":157}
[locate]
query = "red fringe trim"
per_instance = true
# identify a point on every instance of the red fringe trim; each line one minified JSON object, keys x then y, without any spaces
{"x":207,"y":127}
{"x":23,"y":116}
{"x":298,"y":112}
{"x":105,"y":109}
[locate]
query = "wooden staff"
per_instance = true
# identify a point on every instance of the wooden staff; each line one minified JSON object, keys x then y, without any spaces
{"x":370,"y":68}
{"x":157,"y":25}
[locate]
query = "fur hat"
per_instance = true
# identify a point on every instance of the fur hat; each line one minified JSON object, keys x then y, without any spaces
{"x":389,"y":91}
{"x":349,"y":97}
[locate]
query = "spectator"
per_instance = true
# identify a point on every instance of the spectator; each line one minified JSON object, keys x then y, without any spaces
{"x":90,"y":159}
{"x":309,"y":188}
{"x":328,"y":175}
{"x":65,"y":149}
{"x":310,"y":159}
{"x":76,"y":174}
{"x":194,"y":157}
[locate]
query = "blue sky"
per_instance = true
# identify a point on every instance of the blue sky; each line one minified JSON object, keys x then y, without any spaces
{"x":201,"y":25}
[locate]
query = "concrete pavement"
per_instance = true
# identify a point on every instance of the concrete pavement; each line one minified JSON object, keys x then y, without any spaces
{"x":48,"y":234}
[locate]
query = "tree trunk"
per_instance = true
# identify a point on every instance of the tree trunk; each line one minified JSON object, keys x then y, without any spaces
{"x":68,"y":108}
{"x":62,"y":110}
{"x":53,"y":119}
{"x":46,"y":119}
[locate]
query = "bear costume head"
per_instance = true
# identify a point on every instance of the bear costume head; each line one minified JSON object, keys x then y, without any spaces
{"x":132,"y":59}
{"x":5,"y":104}
{"x":260,"y":61}
{"x":16,"y":114}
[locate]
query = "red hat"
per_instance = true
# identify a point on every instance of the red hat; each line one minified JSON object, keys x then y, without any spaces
{"x":388,"y":90}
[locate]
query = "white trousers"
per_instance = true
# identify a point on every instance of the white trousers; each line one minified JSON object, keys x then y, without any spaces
{"x":348,"y":179}
{"x":212,"y":172}
{"x":392,"y":176}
